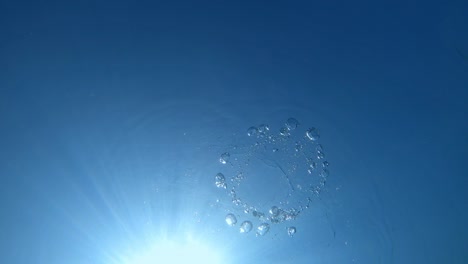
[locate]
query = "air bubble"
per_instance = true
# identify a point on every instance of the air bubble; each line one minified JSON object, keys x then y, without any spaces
{"x":291,"y":231}
{"x":313,"y":165}
{"x":274,"y":211}
{"x":320,"y":154}
{"x":224,"y":158}
{"x":252,"y":131}
{"x":298,"y":146}
{"x":245,"y":227}
{"x":263,"y":229}
{"x":238,"y":178}
{"x":319,"y":147}
{"x":231,"y":219}
{"x":236,"y":201}
{"x":292,"y":123}
{"x":284,"y":132}
{"x":220,"y":181}
{"x":324,"y":173}
{"x":257,"y":214}
{"x":263,"y":128}
{"x":313,"y":134}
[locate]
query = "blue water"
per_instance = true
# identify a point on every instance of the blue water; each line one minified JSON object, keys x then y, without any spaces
{"x":113,"y":115}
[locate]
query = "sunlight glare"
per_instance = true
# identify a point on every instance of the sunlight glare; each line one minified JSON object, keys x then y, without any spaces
{"x":171,"y":252}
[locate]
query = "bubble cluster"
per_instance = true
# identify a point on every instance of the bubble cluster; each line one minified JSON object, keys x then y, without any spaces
{"x":274,"y":176}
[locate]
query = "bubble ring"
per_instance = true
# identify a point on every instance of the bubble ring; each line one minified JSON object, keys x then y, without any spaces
{"x":304,"y":182}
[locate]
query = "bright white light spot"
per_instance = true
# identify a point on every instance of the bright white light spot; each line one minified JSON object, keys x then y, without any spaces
{"x":174,"y":253}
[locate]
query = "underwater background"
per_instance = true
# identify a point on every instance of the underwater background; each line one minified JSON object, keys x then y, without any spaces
{"x":115,"y":115}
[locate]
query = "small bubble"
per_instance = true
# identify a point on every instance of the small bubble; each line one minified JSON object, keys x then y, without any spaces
{"x":292,"y":123}
{"x":231,"y":219}
{"x":252,"y":131}
{"x":220,"y":181}
{"x":274,"y":211}
{"x":320,"y":154}
{"x":291,"y":231}
{"x":324,"y":173}
{"x":298,"y":146}
{"x":237,"y":201}
{"x":325,"y":164}
{"x":319,"y":147}
{"x":258,"y":214}
{"x":245,"y":227}
{"x":263,"y":229}
{"x":313,"y":165}
{"x":224,"y":157}
{"x":275,"y":150}
{"x":263,"y":128}
{"x":238,"y":178}
{"x":284,"y":132}
{"x":313,"y":134}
